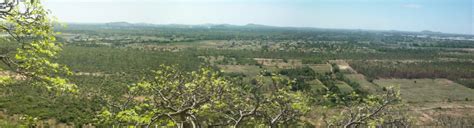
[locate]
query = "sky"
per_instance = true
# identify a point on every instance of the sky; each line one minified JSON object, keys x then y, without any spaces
{"x":448,"y":16}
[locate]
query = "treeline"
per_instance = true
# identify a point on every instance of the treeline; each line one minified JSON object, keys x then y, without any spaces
{"x":223,"y":32}
{"x":413,"y":70}
{"x":455,"y":71}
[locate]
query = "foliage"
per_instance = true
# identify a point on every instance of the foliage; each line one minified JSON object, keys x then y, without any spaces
{"x":23,"y":122}
{"x":386,"y":109}
{"x":466,"y":82}
{"x":414,"y":70}
{"x":119,"y":56}
{"x":301,"y":76}
{"x":203,"y":98}
{"x":5,"y":80}
{"x":30,"y":25}
{"x":42,"y":104}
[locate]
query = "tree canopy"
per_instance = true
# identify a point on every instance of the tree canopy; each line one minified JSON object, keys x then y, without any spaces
{"x":31,"y":57}
{"x":204,"y":98}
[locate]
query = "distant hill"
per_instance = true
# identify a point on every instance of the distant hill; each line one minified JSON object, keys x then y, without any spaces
{"x":430,"y":32}
{"x":122,"y":25}
{"x":258,"y":26}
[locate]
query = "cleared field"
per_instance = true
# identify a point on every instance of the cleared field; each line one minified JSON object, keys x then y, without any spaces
{"x":343,"y":66}
{"x":280,"y":63}
{"x":317,"y":84}
{"x":344,"y":87}
{"x":466,"y":82}
{"x":429,"y":90}
{"x":456,"y":113}
{"x":365,"y":85}
{"x":179,"y":46}
{"x":245,"y":69}
{"x":320,"y":68}
{"x":212,"y":59}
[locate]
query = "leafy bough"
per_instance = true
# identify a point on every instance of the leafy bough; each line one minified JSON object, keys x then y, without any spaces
{"x":30,"y":26}
{"x":204,"y":98}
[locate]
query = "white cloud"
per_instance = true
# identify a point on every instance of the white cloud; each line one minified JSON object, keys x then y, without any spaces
{"x":412,"y":6}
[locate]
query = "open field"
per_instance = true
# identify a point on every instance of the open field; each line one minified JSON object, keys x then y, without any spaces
{"x":455,"y":114}
{"x":250,"y":71}
{"x":321,"y":68}
{"x":316,"y":84}
{"x":280,"y":63}
{"x":365,"y":85}
{"x":344,"y":87}
{"x":429,"y":90}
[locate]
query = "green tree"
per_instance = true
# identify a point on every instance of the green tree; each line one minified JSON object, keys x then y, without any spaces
{"x":367,"y":111}
{"x":204,"y":98}
{"x":30,"y":26}
{"x":251,"y":105}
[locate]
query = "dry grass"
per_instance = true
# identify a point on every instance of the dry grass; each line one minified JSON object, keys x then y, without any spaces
{"x":344,"y":87}
{"x":429,"y":90}
{"x":343,"y":66}
{"x":318,"y":85}
{"x":245,"y":69}
{"x":320,"y":68}
{"x":365,"y":85}
{"x":444,"y":113}
{"x":280,"y":63}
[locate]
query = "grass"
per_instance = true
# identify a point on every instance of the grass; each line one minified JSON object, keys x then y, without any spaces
{"x":364,"y":84}
{"x":248,"y":70}
{"x":466,"y":82}
{"x":280,"y":63}
{"x":344,"y":87}
{"x":320,"y":68}
{"x":316,"y":84}
{"x":6,"y":124}
{"x":429,"y":90}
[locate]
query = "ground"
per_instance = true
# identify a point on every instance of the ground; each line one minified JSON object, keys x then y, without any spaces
{"x":344,"y":87}
{"x":429,"y":90}
{"x":321,"y":68}
{"x":245,"y":69}
{"x":436,"y":101}
{"x":365,"y":85}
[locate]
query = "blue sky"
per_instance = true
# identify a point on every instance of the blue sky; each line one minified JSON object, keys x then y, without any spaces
{"x":450,"y":16}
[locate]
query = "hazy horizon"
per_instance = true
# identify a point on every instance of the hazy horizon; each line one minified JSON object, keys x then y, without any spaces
{"x":85,"y":23}
{"x":403,"y":15}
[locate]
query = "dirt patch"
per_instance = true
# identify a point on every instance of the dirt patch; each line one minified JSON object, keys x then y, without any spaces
{"x":444,"y":113}
{"x":320,"y":68}
{"x":248,"y":70}
{"x":280,"y":63}
{"x":12,"y":75}
{"x":91,"y":74}
{"x":343,"y":66}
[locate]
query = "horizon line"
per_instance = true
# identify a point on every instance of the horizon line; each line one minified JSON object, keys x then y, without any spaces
{"x":278,"y":26}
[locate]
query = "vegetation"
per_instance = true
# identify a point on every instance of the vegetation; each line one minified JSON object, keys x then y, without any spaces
{"x":31,"y":29}
{"x":204,"y":98}
{"x":373,"y":111}
{"x":228,"y":76}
